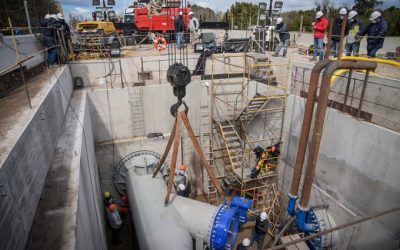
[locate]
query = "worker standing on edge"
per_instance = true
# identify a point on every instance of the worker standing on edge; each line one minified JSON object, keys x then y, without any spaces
{"x":319,"y":27}
{"x":115,"y":222}
{"x":284,"y":36}
{"x":376,"y":31}
{"x":194,"y":26}
{"x":260,"y":229}
{"x":65,"y":29}
{"x":337,"y":29}
{"x":244,"y":245}
{"x":47,"y":27}
{"x":179,"y":29}
{"x":352,"y":42}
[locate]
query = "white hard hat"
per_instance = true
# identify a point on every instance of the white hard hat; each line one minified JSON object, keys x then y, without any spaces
{"x":60,"y":16}
{"x":352,"y":14}
{"x":180,"y":13}
{"x":246,"y":242}
{"x":181,"y":186}
{"x":375,"y":15}
{"x":343,"y":11}
{"x":319,"y":14}
{"x":54,"y":16}
{"x":191,"y":13}
{"x":279,"y":20}
{"x":263,"y":216}
{"x":47,"y":16}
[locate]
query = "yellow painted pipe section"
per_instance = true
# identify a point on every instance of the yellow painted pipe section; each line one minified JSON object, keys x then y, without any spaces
{"x":344,"y":71}
{"x":366,"y":59}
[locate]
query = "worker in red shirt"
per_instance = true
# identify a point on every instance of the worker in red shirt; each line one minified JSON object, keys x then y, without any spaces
{"x":319,"y":26}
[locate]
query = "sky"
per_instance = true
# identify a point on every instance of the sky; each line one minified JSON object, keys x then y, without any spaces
{"x":83,"y":8}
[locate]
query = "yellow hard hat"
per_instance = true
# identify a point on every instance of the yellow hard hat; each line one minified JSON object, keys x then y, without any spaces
{"x":107,"y":194}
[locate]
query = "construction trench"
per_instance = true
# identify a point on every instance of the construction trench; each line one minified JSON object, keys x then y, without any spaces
{"x":59,"y":157}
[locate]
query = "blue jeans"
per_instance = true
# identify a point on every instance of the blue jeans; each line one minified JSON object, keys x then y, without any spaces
{"x":318,"y":48}
{"x":179,"y":40}
{"x":371,"y":51}
{"x":354,"y":47}
{"x":284,"y":45}
{"x":51,"y":53}
{"x":259,"y":238}
{"x":335,"y":48}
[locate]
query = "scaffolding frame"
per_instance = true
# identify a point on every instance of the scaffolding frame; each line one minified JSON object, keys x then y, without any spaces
{"x":251,"y":95}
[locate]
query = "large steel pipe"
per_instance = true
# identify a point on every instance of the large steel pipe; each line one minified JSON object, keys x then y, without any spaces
{"x":160,"y":227}
{"x":157,"y":227}
{"x":308,"y":113}
{"x":319,"y":121}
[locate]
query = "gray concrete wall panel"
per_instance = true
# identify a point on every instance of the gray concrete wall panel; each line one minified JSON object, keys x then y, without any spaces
{"x":357,"y":174}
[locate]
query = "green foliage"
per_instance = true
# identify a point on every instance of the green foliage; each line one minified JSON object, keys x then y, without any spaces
{"x":292,"y":19}
{"x":392,"y":16}
{"x":15,"y":10}
{"x":206,"y":14}
{"x":365,"y":7}
{"x":243,"y":14}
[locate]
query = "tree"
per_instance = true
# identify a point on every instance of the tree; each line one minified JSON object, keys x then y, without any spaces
{"x":325,"y":6}
{"x":365,"y":7}
{"x":205,"y":14}
{"x":392,"y":16}
{"x":244,"y":14}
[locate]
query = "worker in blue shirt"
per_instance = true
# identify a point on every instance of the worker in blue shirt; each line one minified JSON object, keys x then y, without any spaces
{"x":376,"y":31}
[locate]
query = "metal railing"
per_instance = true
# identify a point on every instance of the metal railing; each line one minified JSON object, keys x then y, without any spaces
{"x":359,"y":94}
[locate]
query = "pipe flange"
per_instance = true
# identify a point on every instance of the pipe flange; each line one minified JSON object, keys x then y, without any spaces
{"x":322,"y":221}
{"x":224,"y":229}
{"x":143,"y":161}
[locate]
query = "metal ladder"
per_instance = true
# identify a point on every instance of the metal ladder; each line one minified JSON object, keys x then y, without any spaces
{"x":137,"y":113}
{"x":206,"y":142}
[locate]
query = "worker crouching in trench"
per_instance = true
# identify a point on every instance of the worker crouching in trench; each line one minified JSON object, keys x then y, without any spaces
{"x":266,"y":159}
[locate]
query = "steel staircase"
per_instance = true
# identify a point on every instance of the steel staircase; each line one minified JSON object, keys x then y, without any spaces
{"x":233,"y":144}
{"x":256,"y":104}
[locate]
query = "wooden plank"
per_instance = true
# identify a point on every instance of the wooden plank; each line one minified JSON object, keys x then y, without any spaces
{"x":177,"y":139}
{"x":167,"y":149}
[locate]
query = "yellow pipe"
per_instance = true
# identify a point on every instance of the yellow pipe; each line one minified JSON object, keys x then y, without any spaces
{"x":337,"y":74}
{"x":366,"y":59}
{"x":344,"y":71}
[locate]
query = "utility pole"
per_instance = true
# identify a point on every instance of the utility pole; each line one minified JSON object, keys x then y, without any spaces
{"x":27,"y":16}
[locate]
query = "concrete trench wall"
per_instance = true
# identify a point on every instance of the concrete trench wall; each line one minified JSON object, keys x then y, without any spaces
{"x":70,"y":213}
{"x":381,"y":98}
{"x":357,"y":175}
{"x":50,"y":189}
{"x":24,"y":171}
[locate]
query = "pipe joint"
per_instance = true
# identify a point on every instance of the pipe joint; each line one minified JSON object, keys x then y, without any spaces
{"x":291,"y":207}
{"x":304,"y":221}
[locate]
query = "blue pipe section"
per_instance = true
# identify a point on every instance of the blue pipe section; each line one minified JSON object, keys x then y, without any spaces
{"x":291,"y":207}
{"x":227,"y":222}
{"x":302,"y":222}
